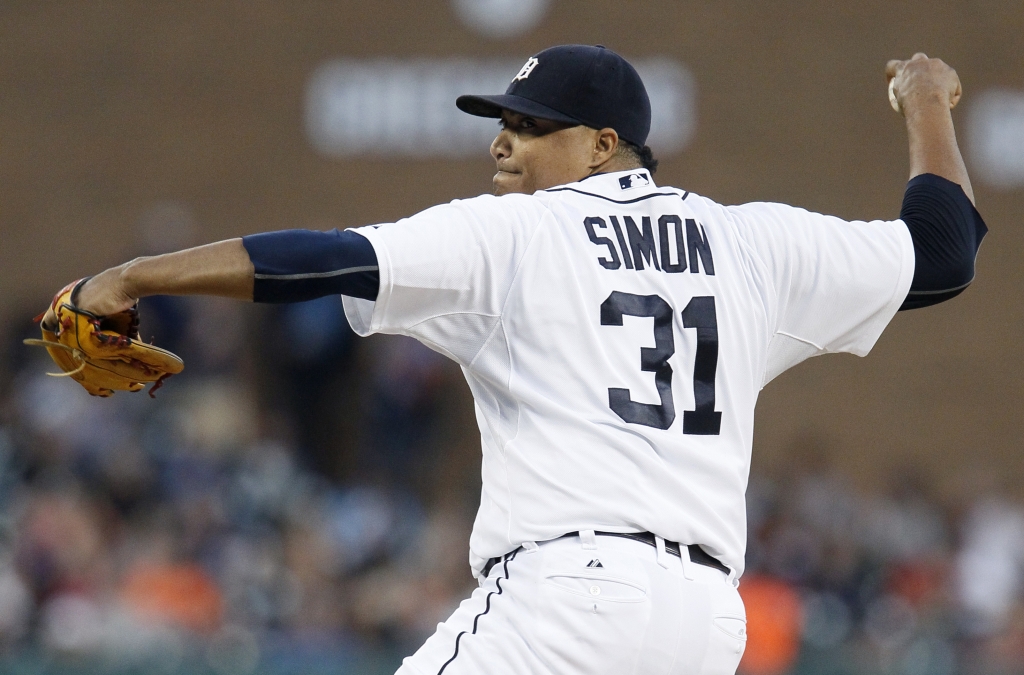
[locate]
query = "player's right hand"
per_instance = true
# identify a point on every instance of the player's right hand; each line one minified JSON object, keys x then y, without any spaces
{"x":921,"y":81}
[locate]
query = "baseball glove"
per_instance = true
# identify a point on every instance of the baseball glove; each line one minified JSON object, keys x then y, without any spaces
{"x":103,"y":353}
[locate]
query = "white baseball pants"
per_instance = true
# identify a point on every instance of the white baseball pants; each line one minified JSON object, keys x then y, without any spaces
{"x":586,"y":605}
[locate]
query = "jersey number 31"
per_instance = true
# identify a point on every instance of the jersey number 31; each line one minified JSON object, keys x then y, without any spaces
{"x":700,"y":314}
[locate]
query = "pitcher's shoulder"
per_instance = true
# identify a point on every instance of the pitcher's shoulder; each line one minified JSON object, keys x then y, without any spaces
{"x":492,"y":207}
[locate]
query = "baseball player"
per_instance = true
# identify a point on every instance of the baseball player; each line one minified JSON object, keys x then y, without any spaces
{"x":615,"y":335}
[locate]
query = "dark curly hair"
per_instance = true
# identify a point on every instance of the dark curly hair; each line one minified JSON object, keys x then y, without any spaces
{"x":643,"y":156}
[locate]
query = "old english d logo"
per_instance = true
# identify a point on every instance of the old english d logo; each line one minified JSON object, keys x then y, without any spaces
{"x":527,"y":68}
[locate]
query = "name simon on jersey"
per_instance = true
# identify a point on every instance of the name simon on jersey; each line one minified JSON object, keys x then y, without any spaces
{"x":639,"y":246}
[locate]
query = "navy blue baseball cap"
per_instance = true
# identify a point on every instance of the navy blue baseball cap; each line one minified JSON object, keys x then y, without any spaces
{"x":575,"y":84}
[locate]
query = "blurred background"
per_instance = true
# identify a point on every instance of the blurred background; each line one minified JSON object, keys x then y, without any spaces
{"x":301,"y":503}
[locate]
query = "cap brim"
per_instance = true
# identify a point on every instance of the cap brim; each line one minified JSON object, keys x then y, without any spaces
{"x":491,"y":106}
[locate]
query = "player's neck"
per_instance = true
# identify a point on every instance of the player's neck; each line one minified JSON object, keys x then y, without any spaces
{"x":615,"y":163}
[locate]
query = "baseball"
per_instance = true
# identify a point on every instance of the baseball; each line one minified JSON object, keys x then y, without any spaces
{"x":892,"y":97}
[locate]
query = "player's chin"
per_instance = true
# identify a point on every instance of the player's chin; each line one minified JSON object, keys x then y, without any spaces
{"x":507,"y":182}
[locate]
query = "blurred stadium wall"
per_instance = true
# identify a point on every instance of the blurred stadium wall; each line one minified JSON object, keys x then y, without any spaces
{"x":133,"y":126}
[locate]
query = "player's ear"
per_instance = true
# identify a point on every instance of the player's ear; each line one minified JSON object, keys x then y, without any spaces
{"x":606,"y":144}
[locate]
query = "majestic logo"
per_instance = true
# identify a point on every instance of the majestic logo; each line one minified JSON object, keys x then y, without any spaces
{"x":595,"y":563}
{"x":527,"y":68}
{"x":634,"y":180}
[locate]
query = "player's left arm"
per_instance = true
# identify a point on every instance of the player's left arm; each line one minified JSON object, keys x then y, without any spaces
{"x":285,"y":266}
{"x":938,"y":205}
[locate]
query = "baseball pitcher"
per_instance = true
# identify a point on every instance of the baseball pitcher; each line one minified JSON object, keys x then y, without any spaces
{"x":615,"y":334}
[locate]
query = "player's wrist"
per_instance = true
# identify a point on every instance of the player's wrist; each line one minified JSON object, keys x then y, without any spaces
{"x":928,"y":116}
{"x":130,"y":281}
{"x":106,"y":293}
{"x":930,"y":100}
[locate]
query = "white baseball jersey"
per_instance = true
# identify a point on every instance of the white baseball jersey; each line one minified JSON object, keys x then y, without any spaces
{"x":615,"y":335}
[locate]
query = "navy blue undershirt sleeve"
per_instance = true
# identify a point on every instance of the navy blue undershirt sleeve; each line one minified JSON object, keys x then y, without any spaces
{"x":947,"y":231}
{"x":298,"y":265}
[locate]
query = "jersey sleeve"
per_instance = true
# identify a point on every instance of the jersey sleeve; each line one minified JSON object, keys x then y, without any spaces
{"x":836,"y":284}
{"x":445,"y":272}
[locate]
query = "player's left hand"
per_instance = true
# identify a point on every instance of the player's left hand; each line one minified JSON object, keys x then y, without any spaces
{"x":921,"y":81}
{"x":103,"y":353}
{"x":102,"y":295}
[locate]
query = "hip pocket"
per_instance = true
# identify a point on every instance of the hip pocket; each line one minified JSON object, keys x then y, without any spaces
{"x":598,"y":586}
{"x":733,"y":626}
{"x":727,"y":641}
{"x":588,"y":622}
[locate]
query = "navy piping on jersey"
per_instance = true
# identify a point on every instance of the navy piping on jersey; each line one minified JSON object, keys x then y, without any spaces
{"x":487,"y":608}
{"x":617,"y":201}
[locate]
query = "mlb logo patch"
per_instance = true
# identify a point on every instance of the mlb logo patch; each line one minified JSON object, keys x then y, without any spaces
{"x":634,"y":180}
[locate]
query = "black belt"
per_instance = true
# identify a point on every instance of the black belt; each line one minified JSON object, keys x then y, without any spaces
{"x":697,"y":554}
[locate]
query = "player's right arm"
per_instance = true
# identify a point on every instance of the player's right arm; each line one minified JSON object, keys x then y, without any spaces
{"x":938,"y":205}
{"x":835,"y":285}
{"x":927,"y":90}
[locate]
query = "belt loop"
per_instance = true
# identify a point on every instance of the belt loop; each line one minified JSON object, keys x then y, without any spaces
{"x":659,"y":544}
{"x":589,"y":539}
{"x":530,"y":546}
{"x":684,"y":556}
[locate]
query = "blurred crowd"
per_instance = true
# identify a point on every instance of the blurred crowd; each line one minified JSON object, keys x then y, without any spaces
{"x":283,"y":507}
{"x":300,"y":500}
{"x":899,"y":580}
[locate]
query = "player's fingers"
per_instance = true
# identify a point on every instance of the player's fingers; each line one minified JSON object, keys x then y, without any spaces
{"x":893,"y":67}
{"x":918,"y":56}
{"x":49,"y":320}
{"x":958,"y":91}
